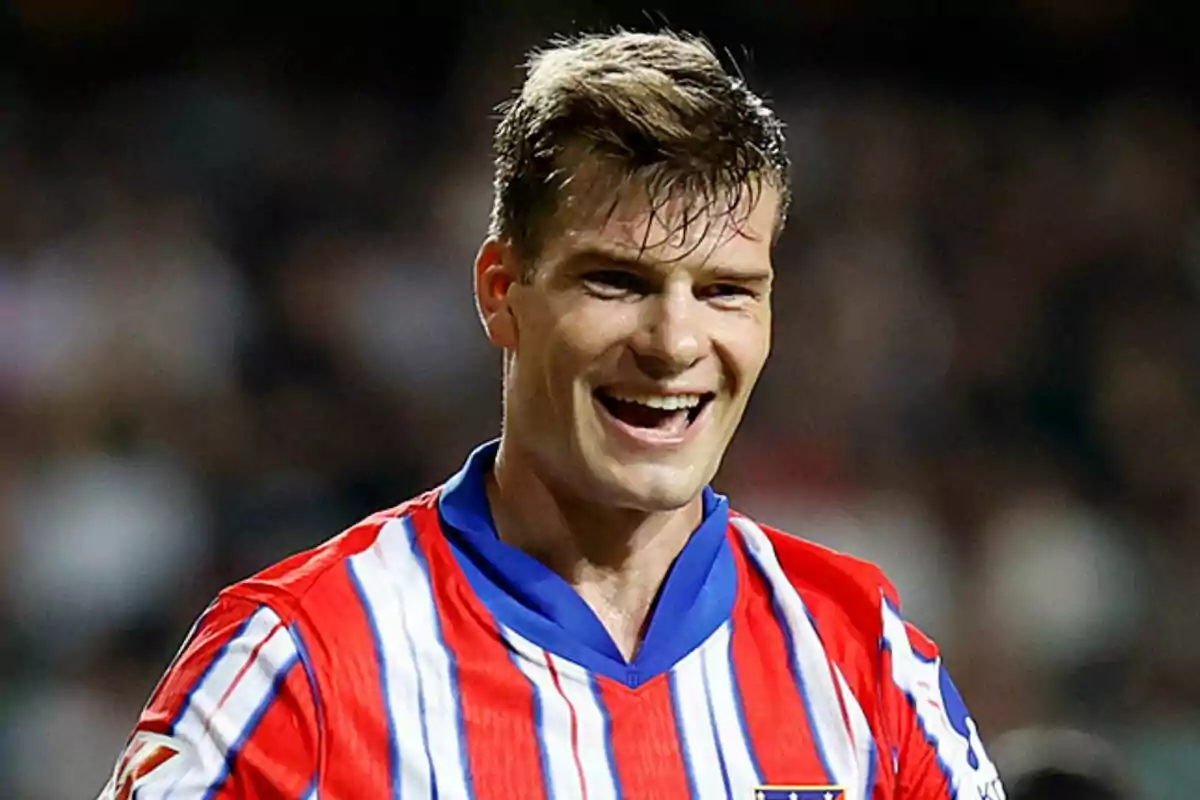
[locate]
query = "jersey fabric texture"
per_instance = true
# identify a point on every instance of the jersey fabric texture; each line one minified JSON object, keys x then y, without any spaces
{"x":417,"y":656}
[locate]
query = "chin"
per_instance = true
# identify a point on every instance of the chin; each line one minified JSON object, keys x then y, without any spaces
{"x":651,"y":487}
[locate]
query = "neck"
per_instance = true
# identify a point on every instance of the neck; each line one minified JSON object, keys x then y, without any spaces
{"x":616,"y":559}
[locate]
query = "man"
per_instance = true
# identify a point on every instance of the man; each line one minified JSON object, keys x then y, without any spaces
{"x":576,"y":614}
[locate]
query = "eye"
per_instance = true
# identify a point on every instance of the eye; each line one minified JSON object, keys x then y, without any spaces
{"x":615,"y":283}
{"x":726,"y":291}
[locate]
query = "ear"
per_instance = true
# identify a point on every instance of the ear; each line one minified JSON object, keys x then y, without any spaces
{"x":496,"y":274}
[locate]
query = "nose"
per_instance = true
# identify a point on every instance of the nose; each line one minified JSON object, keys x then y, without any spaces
{"x":672,"y":337}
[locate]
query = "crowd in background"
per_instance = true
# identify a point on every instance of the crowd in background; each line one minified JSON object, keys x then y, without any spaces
{"x":236,"y":317}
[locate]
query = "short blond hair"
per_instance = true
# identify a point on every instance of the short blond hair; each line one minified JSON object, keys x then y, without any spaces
{"x":659,"y":110}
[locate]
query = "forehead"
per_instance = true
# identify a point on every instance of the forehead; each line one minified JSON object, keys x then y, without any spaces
{"x":631,"y":225}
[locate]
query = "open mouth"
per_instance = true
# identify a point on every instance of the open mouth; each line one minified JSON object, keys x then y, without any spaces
{"x":666,"y":414}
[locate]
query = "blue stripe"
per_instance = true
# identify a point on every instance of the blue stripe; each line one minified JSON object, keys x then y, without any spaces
{"x":712,"y":724}
{"x":212,"y":664}
{"x":740,"y":704}
{"x":687,"y":761}
{"x":451,"y":662}
{"x":794,"y":666}
{"x":932,"y":740}
{"x":248,"y":730}
{"x":393,"y":742}
{"x":311,"y":792}
{"x":872,"y":769}
{"x":538,"y":725}
{"x":608,"y":737}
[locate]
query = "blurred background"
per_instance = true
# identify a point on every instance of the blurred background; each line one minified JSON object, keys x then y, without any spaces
{"x":235,"y":317}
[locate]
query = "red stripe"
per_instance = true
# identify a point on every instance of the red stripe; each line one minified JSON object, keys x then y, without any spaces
{"x":279,"y":757}
{"x":645,"y":739}
{"x":776,"y":719}
{"x":341,"y":644}
{"x":858,"y":663}
{"x":497,"y":700}
{"x":574,"y":722}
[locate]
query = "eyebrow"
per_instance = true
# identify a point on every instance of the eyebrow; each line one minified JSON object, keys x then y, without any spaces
{"x":628,"y":259}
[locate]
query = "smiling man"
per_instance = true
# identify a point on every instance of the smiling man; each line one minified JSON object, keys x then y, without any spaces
{"x":576,"y":614}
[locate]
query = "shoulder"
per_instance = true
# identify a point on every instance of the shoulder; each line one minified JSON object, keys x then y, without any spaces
{"x":847,"y":596}
{"x":858,"y":586}
{"x":315,"y":577}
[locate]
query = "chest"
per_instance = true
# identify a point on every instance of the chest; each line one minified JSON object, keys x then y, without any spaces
{"x":496,"y":716}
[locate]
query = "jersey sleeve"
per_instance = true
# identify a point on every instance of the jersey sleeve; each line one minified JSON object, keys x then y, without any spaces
{"x":936,"y":753}
{"x":234,"y":716}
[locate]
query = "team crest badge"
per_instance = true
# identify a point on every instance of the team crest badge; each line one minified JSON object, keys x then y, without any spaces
{"x":799,"y":793}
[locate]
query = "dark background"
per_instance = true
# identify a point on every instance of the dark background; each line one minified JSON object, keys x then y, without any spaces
{"x":235,"y":313}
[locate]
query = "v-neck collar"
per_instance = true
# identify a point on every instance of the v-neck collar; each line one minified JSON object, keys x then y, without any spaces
{"x":523,"y":594}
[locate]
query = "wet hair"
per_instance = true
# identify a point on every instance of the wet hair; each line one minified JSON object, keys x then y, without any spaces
{"x":658,"y":113}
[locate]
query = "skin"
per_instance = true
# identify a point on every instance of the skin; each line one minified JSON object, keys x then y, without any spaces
{"x":688,"y":313}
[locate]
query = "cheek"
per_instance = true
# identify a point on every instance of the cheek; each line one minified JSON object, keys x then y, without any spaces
{"x":745,"y":349}
{"x":567,"y":355}
{"x":586,"y":337}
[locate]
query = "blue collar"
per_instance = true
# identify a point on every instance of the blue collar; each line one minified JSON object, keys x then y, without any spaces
{"x":526,"y":596}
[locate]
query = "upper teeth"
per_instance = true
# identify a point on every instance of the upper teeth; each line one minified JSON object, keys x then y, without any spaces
{"x":666,"y":402}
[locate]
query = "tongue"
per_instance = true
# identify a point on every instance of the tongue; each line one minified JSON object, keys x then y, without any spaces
{"x":640,"y":416}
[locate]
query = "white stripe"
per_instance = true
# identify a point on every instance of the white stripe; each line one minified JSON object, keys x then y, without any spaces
{"x":403,"y":698}
{"x":722,"y":693}
{"x":921,"y":681}
{"x":213,"y":727}
{"x":555,"y":727}
{"x":861,"y":730}
{"x":593,"y":742}
{"x":442,"y":717}
{"x":312,"y":795}
{"x":699,"y":739}
{"x":225,"y":668}
{"x":811,"y":661}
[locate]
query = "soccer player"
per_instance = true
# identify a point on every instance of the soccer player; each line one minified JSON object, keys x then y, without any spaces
{"x":575,"y":613}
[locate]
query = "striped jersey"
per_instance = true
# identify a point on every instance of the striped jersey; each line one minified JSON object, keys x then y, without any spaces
{"x":417,"y":656}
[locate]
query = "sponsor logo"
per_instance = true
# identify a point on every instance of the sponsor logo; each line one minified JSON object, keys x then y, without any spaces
{"x":148,"y":756}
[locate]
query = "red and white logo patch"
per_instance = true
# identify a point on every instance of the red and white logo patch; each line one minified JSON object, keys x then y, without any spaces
{"x":148,"y":757}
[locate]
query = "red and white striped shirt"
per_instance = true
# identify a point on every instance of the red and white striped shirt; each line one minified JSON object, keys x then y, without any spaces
{"x":417,"y":656}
